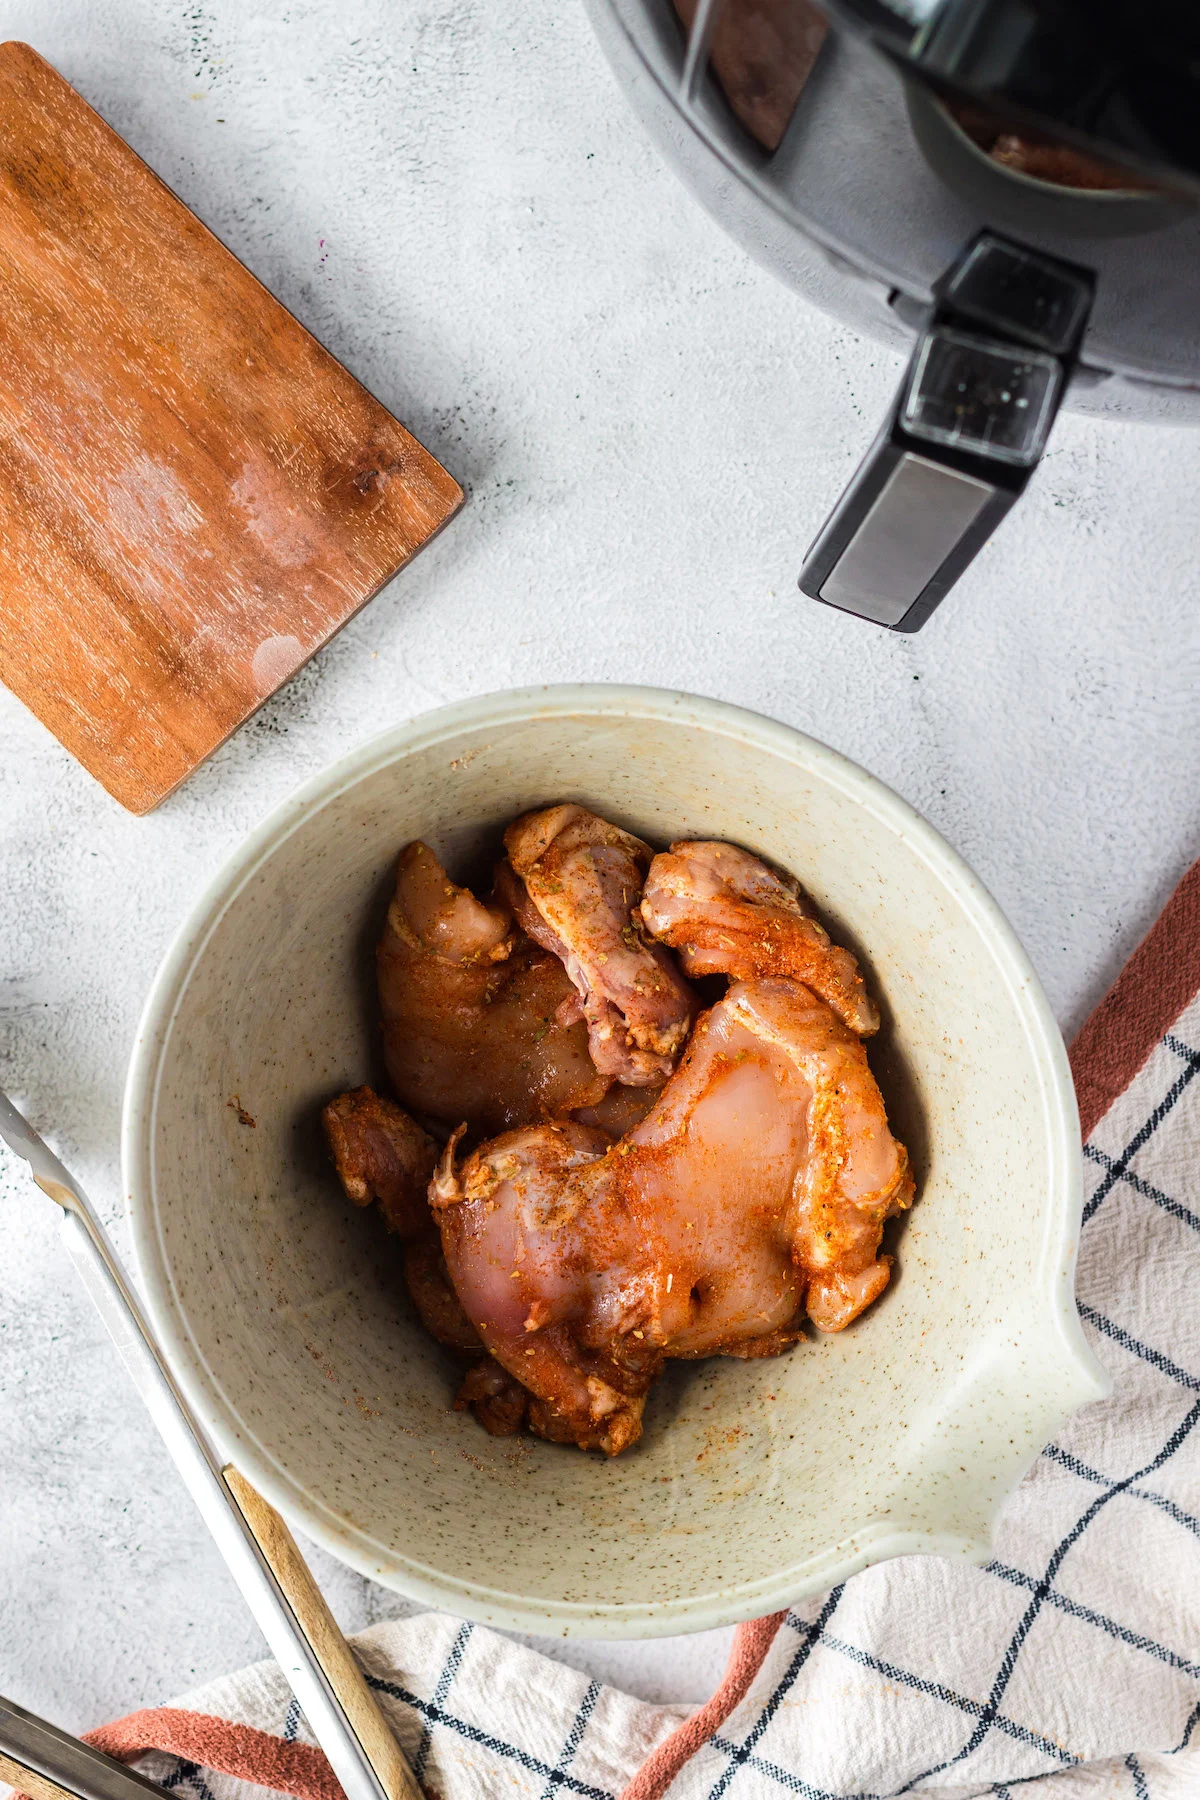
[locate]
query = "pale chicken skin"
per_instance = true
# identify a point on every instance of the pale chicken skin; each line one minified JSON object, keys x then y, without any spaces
{"x":727,"y":912}
{"x":755,"y":1190}
{"x":583,"y":878}
{"x":470,"y":1009}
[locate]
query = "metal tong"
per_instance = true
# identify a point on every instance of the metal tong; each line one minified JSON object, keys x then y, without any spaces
{"x":258,"y":1548}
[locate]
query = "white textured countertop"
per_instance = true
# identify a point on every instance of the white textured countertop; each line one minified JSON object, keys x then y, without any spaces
{"x":455,"y":199}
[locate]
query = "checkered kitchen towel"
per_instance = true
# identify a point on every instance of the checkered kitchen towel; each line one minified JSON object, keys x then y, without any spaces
{"x":1071,"y":1662}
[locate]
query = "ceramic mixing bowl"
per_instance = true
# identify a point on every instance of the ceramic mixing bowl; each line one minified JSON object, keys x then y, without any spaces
{"x":282,"y":1309}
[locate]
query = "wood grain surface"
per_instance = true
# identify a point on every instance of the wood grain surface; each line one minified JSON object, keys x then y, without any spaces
{"x":194,"y":495}
{"x":27,"y":1781}
{"x":36,"y":1786}
{"x":325,"y":1636}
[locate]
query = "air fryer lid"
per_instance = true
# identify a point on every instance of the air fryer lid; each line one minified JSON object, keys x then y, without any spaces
{"x":1117,"y":78}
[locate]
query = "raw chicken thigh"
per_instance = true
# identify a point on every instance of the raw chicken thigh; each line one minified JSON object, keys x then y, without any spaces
{"x":470,"y":1005}
{"x":577,"y":884}
{"x":381,"y":1154}
{"x":754,"y":1191}
{"x":728,"y":913}
{"x":472,"y":1033}
{"x":667,"y":1185}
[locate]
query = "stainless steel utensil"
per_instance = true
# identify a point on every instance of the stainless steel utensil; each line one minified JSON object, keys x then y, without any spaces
{"x":254,"y":1540}
{"x":43,"y":1761}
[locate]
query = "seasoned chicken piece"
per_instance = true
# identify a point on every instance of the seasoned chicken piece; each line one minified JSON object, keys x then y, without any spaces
{"x":583,"y":879}
{"x":470,"y":1007}
{"x":498,"y":1402}
{"x":729,"y":913}
{"x":381,"y":1154}
{"x":433,"y":1294}
{"x":521,"y":1299}
{"x":758,"y":1183}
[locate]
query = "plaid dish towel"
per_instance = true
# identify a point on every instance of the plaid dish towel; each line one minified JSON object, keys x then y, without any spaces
{"x":1068,"y":1667}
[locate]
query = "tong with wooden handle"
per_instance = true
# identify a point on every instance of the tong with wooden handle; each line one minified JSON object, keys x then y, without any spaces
{"x":258,"y":1548}
{"x":48,"y":1764}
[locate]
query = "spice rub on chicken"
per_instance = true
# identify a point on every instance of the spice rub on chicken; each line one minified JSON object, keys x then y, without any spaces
{"x":382,"y":1155}
{"x":471,"y":1004}
{"x":729,"y":913}
{"x":577,"y":888}
{"x":752,"y":1195}
{"x":666,"y":1182}
{"x":481,"y":1027}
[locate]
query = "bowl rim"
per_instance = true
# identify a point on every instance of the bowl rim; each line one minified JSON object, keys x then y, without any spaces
{"x":1080,"y":1377}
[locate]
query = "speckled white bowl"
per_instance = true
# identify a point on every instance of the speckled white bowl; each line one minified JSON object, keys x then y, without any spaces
{"x":756,"y":1482}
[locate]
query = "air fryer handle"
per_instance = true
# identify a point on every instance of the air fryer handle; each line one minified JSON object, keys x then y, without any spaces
{"x":964,"y":433}
{"x":900,"y":536}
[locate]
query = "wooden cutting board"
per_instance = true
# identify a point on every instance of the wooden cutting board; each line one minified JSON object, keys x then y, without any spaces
{"x":194,"y":496}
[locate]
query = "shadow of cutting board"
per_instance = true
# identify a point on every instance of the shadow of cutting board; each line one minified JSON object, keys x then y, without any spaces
{"x":194,"y":496}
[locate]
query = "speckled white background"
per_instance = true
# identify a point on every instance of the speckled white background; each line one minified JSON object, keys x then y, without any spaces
{"x":453,"y":197}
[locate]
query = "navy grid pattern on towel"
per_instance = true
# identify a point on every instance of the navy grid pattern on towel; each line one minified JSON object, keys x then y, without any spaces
{"x":1066,"y":1669}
